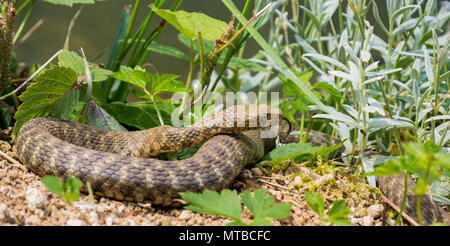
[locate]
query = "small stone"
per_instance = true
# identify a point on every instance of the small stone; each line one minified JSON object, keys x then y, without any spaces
{"x":256,"y":171}
{"x":74,"y":222}
{"x":3,"y":212}
{"x":32,"y":220}
{"x":93,"y":218}
{"x":297,"y":181}
{"x":324,"y":179}
{"x":100,"y":208}
{"x":390,"y":221}
{"x":361,"y":213}
{"x":35,"y":199}
{"x":131,"y":222}
{"x":185,"y":215}
{"x":109,"y":221}
{"x":121,"y":209}
{"x":375,"y":210}
{"x":367,"y":221}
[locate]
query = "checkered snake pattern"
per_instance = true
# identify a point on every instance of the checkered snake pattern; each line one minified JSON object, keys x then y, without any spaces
{"x":117,"y":166}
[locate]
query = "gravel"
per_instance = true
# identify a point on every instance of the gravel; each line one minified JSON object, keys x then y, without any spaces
{"x":24,"y":200}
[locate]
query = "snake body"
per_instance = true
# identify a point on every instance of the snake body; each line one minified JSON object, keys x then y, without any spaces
{"x":112,"y":161}
{"x":114,"y":165}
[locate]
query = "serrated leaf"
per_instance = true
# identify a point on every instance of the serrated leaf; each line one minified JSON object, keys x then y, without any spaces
{"x":263,"y":205}
{"x":226,"y":204}
{"x":137,"y":76}
{"x":189,"y":23}
{"x":151,"y":83}
{"x":73,"y":60}
{"x":315,"y":202}
{"x":65,"y":105}
{"x":40,"y":96}
{"x":328,"y":88}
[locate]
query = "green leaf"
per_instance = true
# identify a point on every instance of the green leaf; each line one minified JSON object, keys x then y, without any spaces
{"x":167,"y":50}
{"x":338,"y":213}
{"x":53,"y":184}
{"x":70,"y":2}
{"x":73,"y":185}
{"x":315,"y":202}
{"x":263,"y":205}
{"x":69,"y":191}
{"x":65,"y":105}
{"x":236,"y":223}
{"x":96,"y":116}
{"x":328,"y":150}
{"x":73,"y":60}
{"x":140,"y":115}
{"x":40,"y":97}
{"x":391,"y":167}
{"x":244,"y":64}
{"x":189,"y":23}
{"x":226,"y":204}
{"x":296,"y":151}
{"x":137,"y":76}
{"x":341,"y":221}
{"x":328,"y":88}
{"x":153,"y":83}
{"x":299,"y":104}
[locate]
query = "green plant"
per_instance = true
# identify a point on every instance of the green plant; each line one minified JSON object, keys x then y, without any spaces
{"x":425,"y":160}
{"x":373,"y":90}
{"x":337,"y":214}
{"x":227,"y":203}
{"x":68,"y":191}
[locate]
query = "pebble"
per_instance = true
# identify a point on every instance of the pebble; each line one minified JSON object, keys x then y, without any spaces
{"x":185,"y":215}
{"x":32,"y":220}
{"x":3,"y":212}
{"x":297,"y":181}
{"x":120,"y":209}
{"x":324,"y":179}
{"x":367,"y":221}
{"x":74,"y":222}
{"x":109,"y":221}
{"x":93,"y":218}
{"x":375,"y":210}
{"x":131,"y":222}
{"x":35,"y":199}
{"x":361,"y":213}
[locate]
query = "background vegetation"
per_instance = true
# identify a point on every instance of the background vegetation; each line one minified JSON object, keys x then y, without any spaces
{"x":377,"y":80}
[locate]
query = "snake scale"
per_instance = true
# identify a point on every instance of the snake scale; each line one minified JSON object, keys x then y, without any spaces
{"x":116,"y":164}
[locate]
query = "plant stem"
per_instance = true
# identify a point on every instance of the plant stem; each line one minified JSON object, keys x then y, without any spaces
{"x":156,"y":108}
{"x":405,"y":197}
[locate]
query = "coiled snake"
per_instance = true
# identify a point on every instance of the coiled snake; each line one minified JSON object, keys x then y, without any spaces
{"x":113,"y":163}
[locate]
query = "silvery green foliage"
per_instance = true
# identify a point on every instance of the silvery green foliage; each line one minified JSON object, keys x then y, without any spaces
{"x":393,"y":80}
